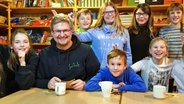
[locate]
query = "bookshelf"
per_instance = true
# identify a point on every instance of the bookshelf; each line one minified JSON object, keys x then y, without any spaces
{"x":37,"y":11}
{"x":5,"y":28}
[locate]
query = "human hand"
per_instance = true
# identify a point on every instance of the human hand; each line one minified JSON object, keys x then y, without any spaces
{"x":21,"y":55}
{"x":72,"y":16}
{"x":115,"y":46}
{"x":54,"y":12}
{"x":116,"y":86}
{"x":68,"y":84}
{"x":51,"y":83}
{"x":78,"y":84}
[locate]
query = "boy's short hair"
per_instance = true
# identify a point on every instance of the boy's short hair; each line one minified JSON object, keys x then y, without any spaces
{"x":60,"y":18}
{"x":116,"y":52}
{"x":85,"y":11}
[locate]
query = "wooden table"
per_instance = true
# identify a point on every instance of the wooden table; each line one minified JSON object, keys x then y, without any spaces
{"x":44,"y":96}
{"x":147,"y":98}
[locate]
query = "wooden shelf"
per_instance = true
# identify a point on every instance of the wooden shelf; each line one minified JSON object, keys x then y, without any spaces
{"x":154,"y":8}
{"x":161,"y":25}
{"x":23,"y":26}
{"x":5,"y":0}
{"x":5,"y":29}
{"x":39,"y":10}
{"x":40,"y":44}
{"x":156,"y":25}
{"x":3,"y":25}
{"x":157,"y":8}
{"x":93,"y":9}
{"x":3,"y":5}
{"x":126,"y":8}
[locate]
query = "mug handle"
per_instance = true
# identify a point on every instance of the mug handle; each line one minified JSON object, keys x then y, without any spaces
{"x":99,"y":84}
{"x":56,"y":88}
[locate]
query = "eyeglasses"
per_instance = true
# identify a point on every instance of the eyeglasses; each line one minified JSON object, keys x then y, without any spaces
{"x":142,"y":14}
{"x":65,"y":31}
{"x":109,"y":12}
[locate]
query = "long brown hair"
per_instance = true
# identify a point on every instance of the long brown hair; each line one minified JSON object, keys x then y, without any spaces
{"x":2,"y":78}
{"x":134,"y":28}
{"x":1,"y":72}
{"x":176,"y":6}
{"x":117,"y":22}
{"x":13,"y":59}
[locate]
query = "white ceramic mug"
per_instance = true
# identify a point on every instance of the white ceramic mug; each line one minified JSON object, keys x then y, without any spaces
{"x":106,"y":87}
{"x":159,"y":91}
{"x":60,"y":88}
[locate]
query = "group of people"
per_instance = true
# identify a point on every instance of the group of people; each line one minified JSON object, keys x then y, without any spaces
{"x":115,"y":54}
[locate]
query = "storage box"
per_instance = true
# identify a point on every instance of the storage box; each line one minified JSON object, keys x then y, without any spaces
{"x":167,"y":2}
{"x":155,"y":2}
{"x":2,"y":19}
{"x":133,"y":2}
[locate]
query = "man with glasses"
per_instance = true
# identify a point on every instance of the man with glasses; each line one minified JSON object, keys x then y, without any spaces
{"x":66,"y":59}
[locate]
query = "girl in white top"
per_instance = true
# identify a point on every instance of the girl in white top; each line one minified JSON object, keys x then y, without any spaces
{"x":157,"y":69}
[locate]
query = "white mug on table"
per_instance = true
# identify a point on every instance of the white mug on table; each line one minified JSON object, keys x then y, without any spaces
{"x":106,"y":87}
{"x":60,"y":88}
{"x":159,"y":91}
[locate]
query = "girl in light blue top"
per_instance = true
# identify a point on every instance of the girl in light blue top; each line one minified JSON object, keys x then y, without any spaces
{"x":108,"y":32}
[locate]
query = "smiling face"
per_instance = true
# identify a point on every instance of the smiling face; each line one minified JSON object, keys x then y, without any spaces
{"x":62,"y":34}
{"x":175,"y":16}
{"x":141,"y":17}
{"x":117,"y":65}
{"x":109,"y":15}
{"x":158,"y":50}
{"x":20,"y":43}
{"x":85,"y":21}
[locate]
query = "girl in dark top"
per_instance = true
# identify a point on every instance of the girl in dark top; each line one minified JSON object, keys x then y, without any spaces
{"x":1,"y":80}
{"x":18,"y":64}
{"x":141,"y":32}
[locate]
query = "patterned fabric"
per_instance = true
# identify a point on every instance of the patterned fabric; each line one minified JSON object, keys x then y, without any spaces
{"x":154,"y":74}
{"x":173,"y":37}
{"x":103,"y":40}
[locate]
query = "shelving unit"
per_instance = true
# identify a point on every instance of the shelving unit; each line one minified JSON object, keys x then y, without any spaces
{"x":5,"y":28}
{"x":157,"y":10}
{"x":154,"y":8}
{"x":39,"y":10}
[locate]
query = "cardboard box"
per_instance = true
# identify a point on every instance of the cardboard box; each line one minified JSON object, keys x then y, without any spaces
{"x":168,"y":2}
